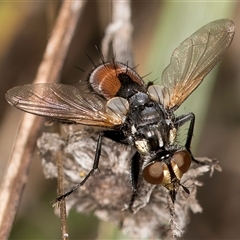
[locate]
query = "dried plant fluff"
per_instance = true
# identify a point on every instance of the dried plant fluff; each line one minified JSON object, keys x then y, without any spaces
{"x":108,"y":192}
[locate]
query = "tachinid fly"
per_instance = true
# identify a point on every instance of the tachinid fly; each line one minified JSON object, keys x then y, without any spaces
{"x":133,"y":113}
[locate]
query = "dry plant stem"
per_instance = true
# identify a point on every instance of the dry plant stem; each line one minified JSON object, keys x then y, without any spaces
{"x":62,"y":203}
{"x":119,"y":33}
{"x":49,"y":71}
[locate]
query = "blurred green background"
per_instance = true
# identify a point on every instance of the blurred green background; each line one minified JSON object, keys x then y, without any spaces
{"x":159,"y":27}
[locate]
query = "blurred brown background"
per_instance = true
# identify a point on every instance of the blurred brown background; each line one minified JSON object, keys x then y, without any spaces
{"x":159,"y":27}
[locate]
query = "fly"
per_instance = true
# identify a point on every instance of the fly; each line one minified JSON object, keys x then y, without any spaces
{"x":133,"y":113}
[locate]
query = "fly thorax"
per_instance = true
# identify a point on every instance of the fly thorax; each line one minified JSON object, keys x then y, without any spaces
{"x":143,"y":110}
{"x":149,"y":127}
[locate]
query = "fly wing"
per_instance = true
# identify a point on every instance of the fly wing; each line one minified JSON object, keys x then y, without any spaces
{"x":194,"y":59}
{"x":63,"y":103}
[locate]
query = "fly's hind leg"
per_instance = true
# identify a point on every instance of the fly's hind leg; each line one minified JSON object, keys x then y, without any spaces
{"x":116,"y":136}
{"x":94,"y":168}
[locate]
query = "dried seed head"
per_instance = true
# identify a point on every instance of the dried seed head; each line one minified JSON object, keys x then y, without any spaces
{"x":108,"y":192}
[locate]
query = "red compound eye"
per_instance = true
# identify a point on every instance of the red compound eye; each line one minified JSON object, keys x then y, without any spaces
{"x":153,"y":173}
{"x":183,"y":160}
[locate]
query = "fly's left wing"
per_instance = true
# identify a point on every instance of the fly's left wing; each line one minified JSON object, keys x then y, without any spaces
{"x":194,"y":59}
{"x":63,"y":103}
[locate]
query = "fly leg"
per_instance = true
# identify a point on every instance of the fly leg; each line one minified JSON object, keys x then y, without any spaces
{"x":94,"y":168}
{"x":181,"y":120}
{"x":115,"y":136}
{"x":118,"y":136}
{"x":134,"y":175}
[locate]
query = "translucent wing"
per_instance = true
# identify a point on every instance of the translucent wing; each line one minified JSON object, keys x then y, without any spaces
{"x":194,"y":59}
{"x":62,"y":102}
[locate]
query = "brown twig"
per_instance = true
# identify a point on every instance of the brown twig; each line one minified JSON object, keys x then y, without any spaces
{"x":119,"y":33}
{"x":62,"y":203}
{"x":49,"y":71}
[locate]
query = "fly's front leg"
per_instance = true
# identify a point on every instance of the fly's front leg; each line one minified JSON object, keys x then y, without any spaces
{"x":181,"y":120}
{"x":134,"y":174}
{"x":118,"y":136}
